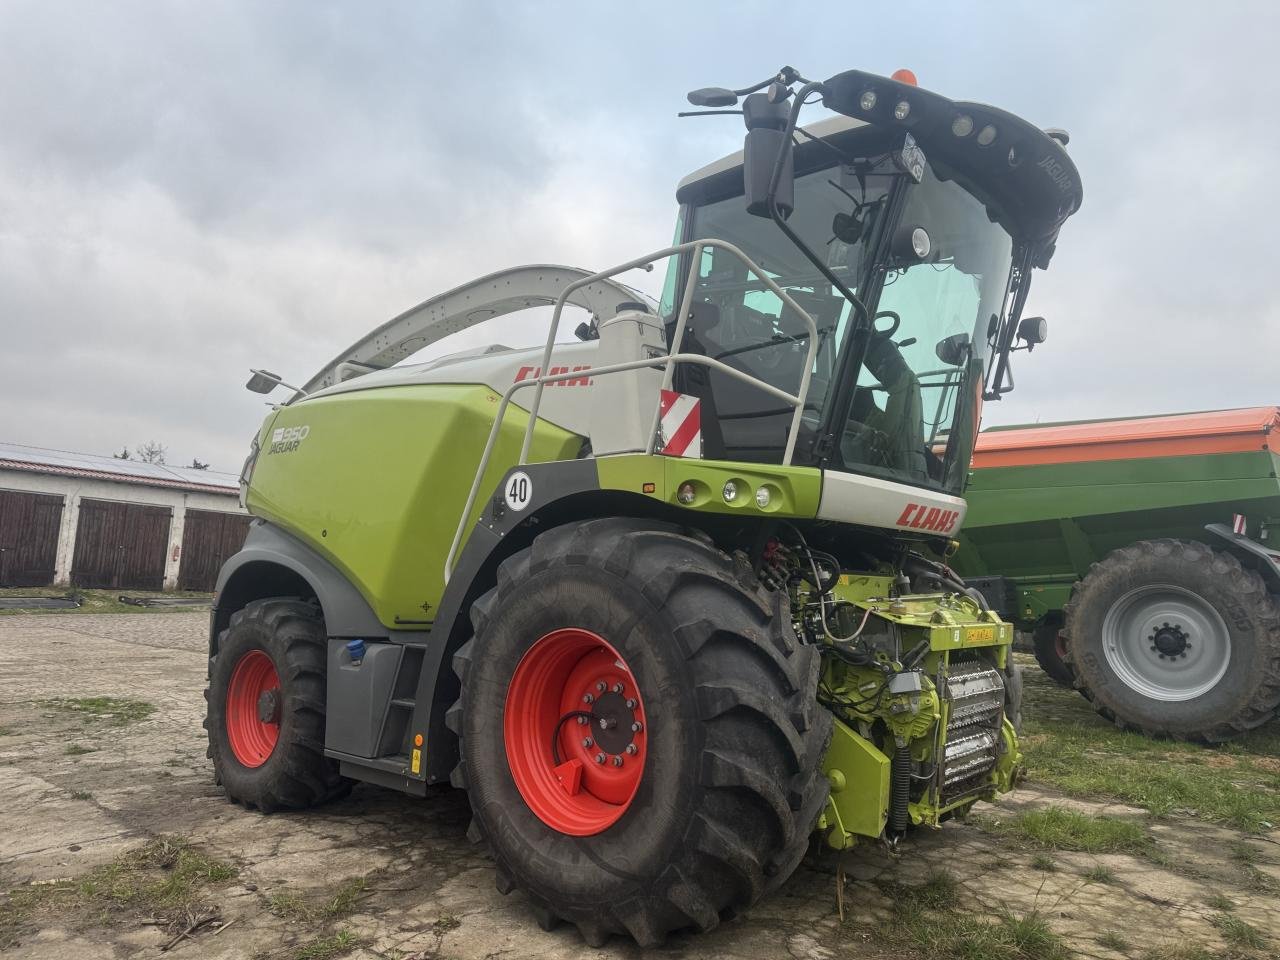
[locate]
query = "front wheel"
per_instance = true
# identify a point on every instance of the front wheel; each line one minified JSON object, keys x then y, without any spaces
{"x":639,"y":733}
{"x":266,"y":708}
{"x":1175,"y":639}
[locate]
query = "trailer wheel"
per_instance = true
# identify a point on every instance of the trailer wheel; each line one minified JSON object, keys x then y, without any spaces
{"x":266,"y":707}
{"x":1175,"y":639}
{"x":1051,"y":648}
{"x":639,"y":731}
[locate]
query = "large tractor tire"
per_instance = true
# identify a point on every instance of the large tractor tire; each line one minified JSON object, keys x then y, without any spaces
{"x":1050,"y":649}
{"x":265,"y":708}
{"x":640,"y":737}
{"x":1175,"y":639}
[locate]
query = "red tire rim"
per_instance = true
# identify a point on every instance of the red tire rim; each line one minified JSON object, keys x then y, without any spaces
{"x":253,"y":708}
{"x":575,"y":732}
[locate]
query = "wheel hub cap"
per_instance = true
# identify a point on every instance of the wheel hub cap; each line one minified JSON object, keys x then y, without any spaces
{"x":1166,"y":642}
{"x":574,"y":732}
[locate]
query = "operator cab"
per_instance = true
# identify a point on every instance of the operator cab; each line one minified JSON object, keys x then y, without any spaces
{"x":907,"y":229}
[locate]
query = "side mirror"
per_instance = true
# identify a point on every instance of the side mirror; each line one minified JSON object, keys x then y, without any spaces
{"x":1033,"y":331}
{"x":767,"y":145}
{"x":263,"y":381}
{"x":953,"y":350}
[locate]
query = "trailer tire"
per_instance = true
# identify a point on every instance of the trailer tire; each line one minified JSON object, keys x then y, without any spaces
{"x":273,"y":648}
{"x":1210,"y":668}
{"x":1050,"y":650}
{"x":729,"y":780}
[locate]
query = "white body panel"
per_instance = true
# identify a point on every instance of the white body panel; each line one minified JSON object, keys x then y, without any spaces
{"x":872,"y":502}
{"x":617,"y":410}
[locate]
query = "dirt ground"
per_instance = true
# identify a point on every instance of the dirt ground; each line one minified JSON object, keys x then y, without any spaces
{"x":113,"y":839}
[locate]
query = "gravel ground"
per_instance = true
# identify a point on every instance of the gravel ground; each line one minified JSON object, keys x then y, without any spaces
{"x":81,"y":791}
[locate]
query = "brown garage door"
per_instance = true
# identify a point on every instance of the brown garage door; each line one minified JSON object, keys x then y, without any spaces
{"x":208,"y":538}
{"x":28,"y":538}
{"x":120,"y":546}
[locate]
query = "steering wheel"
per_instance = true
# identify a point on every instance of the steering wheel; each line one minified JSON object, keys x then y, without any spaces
{"x":897,"y":322}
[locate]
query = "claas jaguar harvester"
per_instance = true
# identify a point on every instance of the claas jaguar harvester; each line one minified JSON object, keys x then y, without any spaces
{"x":670,"y":599}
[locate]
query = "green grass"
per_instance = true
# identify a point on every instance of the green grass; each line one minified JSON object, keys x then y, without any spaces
{"x":1070,"y":747}
{"x":1113,"y":941}
{"x":929,"y":917}
{"x":81,"y":795}
{"x":117,"y":711}
{"x":1100,"y":874}
{"x":327,"y":947}
{"x":332,"y":905}
{"x":1220,"y":903}
{"x":164,"y":878}
{"x":1057,"y":829}
{"x":1238,"y":933}
{"x":95,"y":601}
{"x":1044,"y":863}
{"x":76,"y":750}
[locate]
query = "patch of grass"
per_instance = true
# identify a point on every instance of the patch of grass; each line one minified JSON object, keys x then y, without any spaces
{"x":444,"y":924}
{"x":1069,"y":746}
{"x":1220,"y":903}
{"x":1044,"y":863}
{"x":164,"y":878}
{"x":1238,"y":933}
{"x":117,"y":711}
{"x":1180,"y":953}
{"x":81,"y":795}
{"x":1059,"y":829}
{"x":1100,"y":874}
{"x":96,"y":601}
{"x":1244,"y":853}
{"x":327,"y":947}
{"x":331,"y":906}
{"x":76,"y":750}
{"x":7,"y":731}
{"x":1260,"y":882}
{"x":1113,"y":941}
{"x":964,"y":936}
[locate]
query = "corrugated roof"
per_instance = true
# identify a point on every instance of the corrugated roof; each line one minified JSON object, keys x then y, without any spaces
{"x":17,"y":456}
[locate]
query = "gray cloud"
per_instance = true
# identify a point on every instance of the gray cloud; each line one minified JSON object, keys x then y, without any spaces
{"x":187,"y":190}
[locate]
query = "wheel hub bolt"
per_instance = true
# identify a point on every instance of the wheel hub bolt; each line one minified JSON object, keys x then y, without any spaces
{"x":588,"y":698}
{"x":599,"y":758}
{"x":632,"y":749}
{"x":617,"y":761}
{"x":588,"y":742}
{"x":631,"y":704}
{"x":617,"y":688}
{"x":582,"y":721}
{"x":637,"y":727}
{"x":600,"y":687}
{"x":608,"y":723}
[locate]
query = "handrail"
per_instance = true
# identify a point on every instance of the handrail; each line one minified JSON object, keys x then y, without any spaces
{"x":668,"y":362}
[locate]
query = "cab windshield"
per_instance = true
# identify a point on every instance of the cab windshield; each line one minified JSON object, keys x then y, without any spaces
{"x":912,"y":412}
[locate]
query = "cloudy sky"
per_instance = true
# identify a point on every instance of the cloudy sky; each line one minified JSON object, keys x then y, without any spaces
{"x":190,"y":189}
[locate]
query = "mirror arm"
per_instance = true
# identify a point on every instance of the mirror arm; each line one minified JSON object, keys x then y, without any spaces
{"x":779,"y":163}
{"x":278,"y":382}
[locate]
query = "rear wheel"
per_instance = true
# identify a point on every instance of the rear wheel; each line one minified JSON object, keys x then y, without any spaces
{"x":1175,"y":639}
{"x":639,"y":732}
{"x":266,"y":708}
{"x":1051,"y":649}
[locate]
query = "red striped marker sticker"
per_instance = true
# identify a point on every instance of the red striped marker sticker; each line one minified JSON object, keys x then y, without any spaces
{"x":680,"y":425}
{"x":1238,"y":524}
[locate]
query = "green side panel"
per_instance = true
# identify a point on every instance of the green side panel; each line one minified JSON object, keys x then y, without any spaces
{"x":379,"y":481}
{"x":1047,"y":523}
{"x":859,"y":775}
{"x":793,"y":491}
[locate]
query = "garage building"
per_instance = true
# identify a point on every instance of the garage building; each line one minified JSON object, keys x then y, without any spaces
{"x":72,"y":519}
